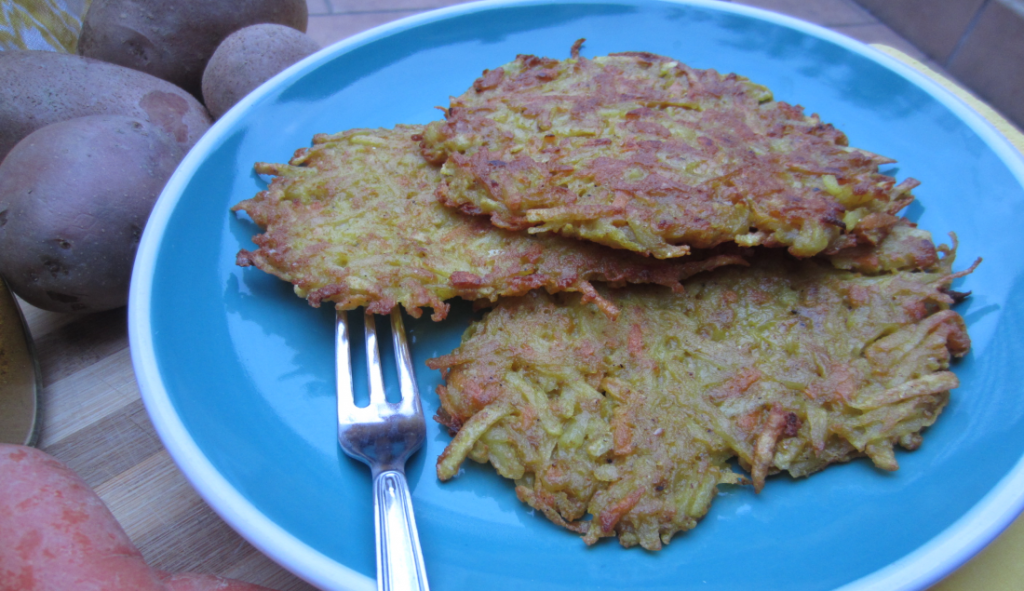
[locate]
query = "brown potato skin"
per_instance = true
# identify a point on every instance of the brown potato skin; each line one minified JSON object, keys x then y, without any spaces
{"x":74,"y":199}
{"x":174,"y":40}
{"x":247,"y":58}
{"x":44,"y":87}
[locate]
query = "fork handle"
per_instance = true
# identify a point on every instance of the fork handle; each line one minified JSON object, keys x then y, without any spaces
{"x":399,"y":558}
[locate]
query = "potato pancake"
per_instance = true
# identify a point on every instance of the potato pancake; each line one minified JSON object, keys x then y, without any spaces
{"x":641,"y":152}
{"x":354,"y":220}
{"x":786,"y":365}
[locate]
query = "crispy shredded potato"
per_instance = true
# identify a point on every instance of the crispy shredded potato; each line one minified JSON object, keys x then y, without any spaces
{"x":640,"y":152}
{"x":619,"y":410}
{"x":354,"y":220}
{"x":627,"y":427}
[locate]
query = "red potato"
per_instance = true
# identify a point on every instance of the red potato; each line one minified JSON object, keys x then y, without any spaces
{"x":44,"y":87}
{"x":57,"y":535}
{"x":247,"y":58}
{"x":174,"y":40}
{"x":74,"y":199}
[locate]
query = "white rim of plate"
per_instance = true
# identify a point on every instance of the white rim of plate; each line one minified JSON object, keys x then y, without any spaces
{"x":916,"y":571}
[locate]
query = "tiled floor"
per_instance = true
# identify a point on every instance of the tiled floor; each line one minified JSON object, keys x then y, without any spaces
{"x":993,"y":75}
{"x":981,"y":42}
{"x":333,"y":20}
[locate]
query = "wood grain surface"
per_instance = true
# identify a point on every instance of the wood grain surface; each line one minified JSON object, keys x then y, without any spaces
{"x":93,"y":420}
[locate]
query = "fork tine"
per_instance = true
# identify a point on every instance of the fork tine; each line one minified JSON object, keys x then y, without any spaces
{"x":374,"y":375}
{"x":383,"y":436}
{"x":403,"y":363}
{"x":343,"y":367}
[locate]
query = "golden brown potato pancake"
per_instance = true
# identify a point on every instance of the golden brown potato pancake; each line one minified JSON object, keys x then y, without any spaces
{"x":641,"y":152}
{"x":627,"y":427}
{"x":354,"y":220}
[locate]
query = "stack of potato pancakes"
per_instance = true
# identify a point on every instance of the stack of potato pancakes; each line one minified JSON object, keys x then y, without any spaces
{"x":690,"y":284}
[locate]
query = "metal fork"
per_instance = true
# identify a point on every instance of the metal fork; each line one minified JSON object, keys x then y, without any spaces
{"x":384,"y":435}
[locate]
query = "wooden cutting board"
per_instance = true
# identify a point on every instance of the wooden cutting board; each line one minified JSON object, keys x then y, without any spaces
{"x":93,"y":420}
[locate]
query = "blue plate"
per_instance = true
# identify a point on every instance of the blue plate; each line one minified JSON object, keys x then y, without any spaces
{"x":237,"y":372}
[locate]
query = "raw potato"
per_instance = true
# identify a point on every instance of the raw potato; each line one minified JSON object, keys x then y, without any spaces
{"x":45,"y":509}
{"x":56,"y":533}
{"x":74,"y":199}
{"x":174,"y":40}
{"x":44,"y":87}
{"x":247,"y":58}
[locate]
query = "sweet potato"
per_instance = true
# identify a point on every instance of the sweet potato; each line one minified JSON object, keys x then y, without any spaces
{"x":57,"y":535}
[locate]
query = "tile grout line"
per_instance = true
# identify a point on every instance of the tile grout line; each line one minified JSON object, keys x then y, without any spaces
{"x":963,"y":38}
{"x":869,"y":20}
{"x":854,"y":5}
